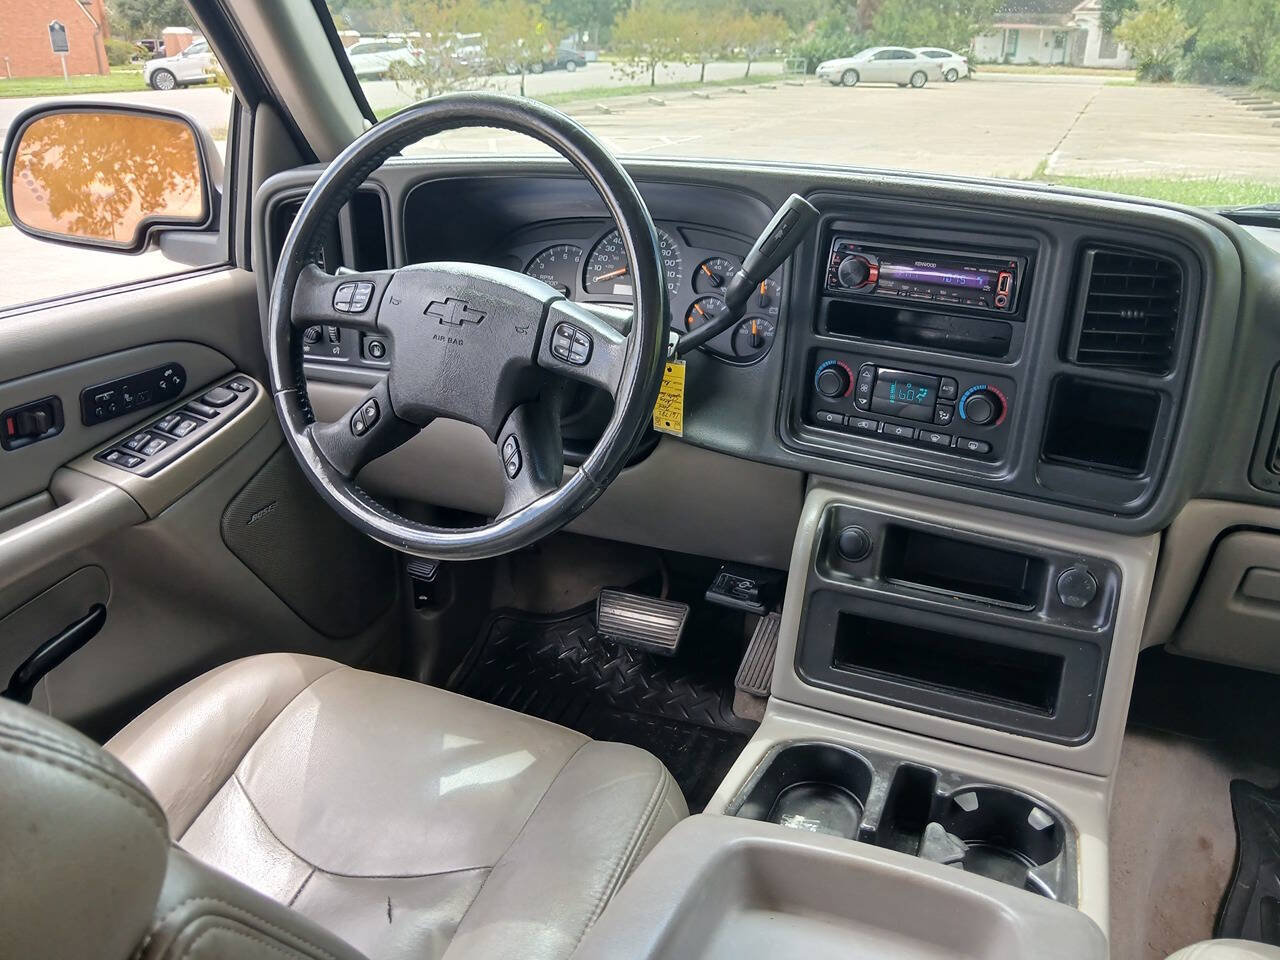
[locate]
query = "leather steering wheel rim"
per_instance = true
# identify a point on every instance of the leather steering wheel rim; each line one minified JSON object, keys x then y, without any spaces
{"x":629,"y":365}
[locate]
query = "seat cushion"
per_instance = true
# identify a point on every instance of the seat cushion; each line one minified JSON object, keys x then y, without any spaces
{"x":408,"y":820}
{"x":1227,"y":950}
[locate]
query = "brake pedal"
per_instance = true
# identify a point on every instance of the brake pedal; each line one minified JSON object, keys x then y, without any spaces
{"x":755,"y":674}
{"x":636,"y":621}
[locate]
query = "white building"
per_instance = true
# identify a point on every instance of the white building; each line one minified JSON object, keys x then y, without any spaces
{"x":1051,"y":31}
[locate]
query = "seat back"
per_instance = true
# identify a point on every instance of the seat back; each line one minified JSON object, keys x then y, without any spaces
{"x":87,"y":871}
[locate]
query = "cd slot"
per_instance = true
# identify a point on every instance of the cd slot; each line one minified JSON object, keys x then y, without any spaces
{"x":883,"y":323}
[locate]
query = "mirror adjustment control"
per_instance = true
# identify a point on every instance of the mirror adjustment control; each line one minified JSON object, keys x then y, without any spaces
{"x":218,"y":397}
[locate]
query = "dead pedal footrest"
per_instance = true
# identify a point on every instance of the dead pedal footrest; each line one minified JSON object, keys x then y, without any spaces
{"x":637,"y":621}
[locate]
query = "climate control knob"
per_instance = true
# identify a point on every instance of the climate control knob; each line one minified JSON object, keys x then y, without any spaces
{"x":832,"y":380}
{"x":982,"y":407}
{"x":853,"y":272}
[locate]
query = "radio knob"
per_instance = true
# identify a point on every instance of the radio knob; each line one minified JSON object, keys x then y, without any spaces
{"x":853,"y":272}
{"x":982,"y":407}
{"x":833,"y":381}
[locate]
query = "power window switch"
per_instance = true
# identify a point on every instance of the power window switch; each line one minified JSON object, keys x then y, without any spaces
{"x":154,"y":447}
{"x":138,"y":441}
{"x":184,"y":427}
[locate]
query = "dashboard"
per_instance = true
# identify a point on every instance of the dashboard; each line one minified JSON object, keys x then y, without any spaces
{"x":1056,"y":355}
{"x":585,"y":261}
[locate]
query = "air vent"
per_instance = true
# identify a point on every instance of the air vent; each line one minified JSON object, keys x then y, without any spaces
{"x":1129,"y":318}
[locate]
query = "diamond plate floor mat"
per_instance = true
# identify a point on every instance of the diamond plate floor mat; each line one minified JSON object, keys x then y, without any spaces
{"x":679,"y":708}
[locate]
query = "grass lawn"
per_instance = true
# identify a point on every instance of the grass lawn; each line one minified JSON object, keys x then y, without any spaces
{"x":1053,"y":70}
{"x":592,"y":94}
{"x":1218,"y":192}
{"x":120,"y":80}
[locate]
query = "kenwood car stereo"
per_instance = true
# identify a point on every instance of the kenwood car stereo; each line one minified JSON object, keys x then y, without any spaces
{"x":985,"y":282}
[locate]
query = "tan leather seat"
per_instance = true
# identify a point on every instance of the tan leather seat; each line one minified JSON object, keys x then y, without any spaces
{"x":1227,"y":950}
{"x":406,"y":820}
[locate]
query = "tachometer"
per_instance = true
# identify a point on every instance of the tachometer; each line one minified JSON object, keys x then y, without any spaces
{"x":609,"y":272}
{"x":557,"y":266}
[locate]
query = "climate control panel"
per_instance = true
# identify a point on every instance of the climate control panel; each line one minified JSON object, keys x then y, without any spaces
{"x":954,"y":411}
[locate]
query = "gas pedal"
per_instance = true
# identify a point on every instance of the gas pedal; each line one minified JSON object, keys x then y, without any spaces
{"x":755,"y":674}
{"x":637,"y":621}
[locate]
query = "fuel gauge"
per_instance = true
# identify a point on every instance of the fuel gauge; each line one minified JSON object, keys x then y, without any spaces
{"x":766,"y":298}
{"x":752,"y":338}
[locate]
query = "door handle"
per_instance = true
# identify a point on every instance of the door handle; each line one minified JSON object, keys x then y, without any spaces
{"x":53,"y":652}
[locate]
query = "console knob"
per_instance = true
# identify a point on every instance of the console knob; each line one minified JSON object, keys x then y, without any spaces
{"x":854,"y":543}
{"x":853,"y":272}
{"x":832,"y":381}
{"x":982,"y":407}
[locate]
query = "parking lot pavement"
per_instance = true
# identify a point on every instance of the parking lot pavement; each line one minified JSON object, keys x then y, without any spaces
{"x":1005,"y":128}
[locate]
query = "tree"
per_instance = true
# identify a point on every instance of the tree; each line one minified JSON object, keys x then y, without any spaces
{"x":944,"y":23}
{"x":440,"y":66}
{"x":1155,"y":34}
{"x":651,"y":34}
{"x":517,"y":35}
{"x":709,"y":37}
{"x":1113,"y":11}
{"x":147,"y":18}
{"x":589,"y":17}
{"x":753,"y":35}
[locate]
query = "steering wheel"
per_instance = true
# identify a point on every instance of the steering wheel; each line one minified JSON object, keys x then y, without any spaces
{"x":468,"y":342}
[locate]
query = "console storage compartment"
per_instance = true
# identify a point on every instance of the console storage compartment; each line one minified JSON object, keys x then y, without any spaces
{"x":721,"y":888}
{"x":939,"y":815}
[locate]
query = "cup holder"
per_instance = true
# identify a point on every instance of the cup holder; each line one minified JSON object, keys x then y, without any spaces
{"x":1001,"y":834}
{"x":819,"y":787}
{"x":934,"y":814}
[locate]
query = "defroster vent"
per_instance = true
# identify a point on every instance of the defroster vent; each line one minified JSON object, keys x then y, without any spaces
{"x":1130,"y":311}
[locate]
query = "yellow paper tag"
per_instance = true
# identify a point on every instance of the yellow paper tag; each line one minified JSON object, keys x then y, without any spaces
{"x":668,"y":412}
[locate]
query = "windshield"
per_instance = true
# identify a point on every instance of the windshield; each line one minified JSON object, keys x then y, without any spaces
{"x":1168,"y":99}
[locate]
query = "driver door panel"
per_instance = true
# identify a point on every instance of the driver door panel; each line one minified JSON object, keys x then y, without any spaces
{"x":227,"y":553}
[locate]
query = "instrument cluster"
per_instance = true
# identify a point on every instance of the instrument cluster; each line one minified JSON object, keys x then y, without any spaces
{"x":587,"y":262}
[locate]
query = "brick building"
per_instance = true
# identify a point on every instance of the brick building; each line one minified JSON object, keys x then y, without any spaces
{"x":24,"y":37}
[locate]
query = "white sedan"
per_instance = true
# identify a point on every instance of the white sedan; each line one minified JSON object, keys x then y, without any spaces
{"x":193,"y":65}
{"x":373,"y":59}
{"x":953,"y":65}
{"x":881,"y":65}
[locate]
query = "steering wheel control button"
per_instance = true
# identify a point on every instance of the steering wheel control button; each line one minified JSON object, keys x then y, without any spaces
{"x":353,"y":296}
{"x":511,"y":456}
{"x":1077,"y":588}
{"x":854,"y":543}
{"x":975,"y":447}
{"x":364,"y":419}
{"x":311,"y":335}
{"x":570,"y":344}
{"x":218,"y":397}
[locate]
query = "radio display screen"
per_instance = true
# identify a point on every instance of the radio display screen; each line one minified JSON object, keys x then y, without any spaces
{"x":899,"y":393}
{"x":938,"y":276}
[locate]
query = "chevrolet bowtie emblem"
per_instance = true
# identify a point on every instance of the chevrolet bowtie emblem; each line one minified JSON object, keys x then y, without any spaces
{"x":453,"y":312}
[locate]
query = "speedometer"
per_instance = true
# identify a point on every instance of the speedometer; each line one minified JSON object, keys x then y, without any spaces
{"x":609,"y":272}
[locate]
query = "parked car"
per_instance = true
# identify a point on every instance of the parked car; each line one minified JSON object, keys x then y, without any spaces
{"x":952,"y":65}
{"x":373,"y":59}
{"x":881,"y":65}
{"x":193,"y":65}
{"x":562,"y":58}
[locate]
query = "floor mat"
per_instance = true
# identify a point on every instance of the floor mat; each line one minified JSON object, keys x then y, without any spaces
{"x":679,"y":708}
{"x":1251,"y":910}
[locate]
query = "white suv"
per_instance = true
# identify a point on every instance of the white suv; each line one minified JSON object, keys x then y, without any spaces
{"x":193,"y":65}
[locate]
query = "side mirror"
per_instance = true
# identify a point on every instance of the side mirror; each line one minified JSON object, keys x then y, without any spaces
{"x":110,"y":177}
